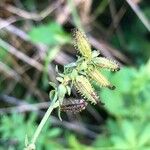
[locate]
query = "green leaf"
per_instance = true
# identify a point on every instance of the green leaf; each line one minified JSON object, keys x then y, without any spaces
{"x":123,"y":79}
{"x":54,"y":132}
{"x":52,"y":94}
{"x":102,"y":141}
{"x":70,"y":65}
{"x":60,"y":79}
{"x":74,"y":74}
{"x":61,"y":92}
{"x":119,"y":142}
{"x":53,"y":85}
{"x":50,"y":34}
{"x":74,"y":144}
{"x":129,"y":132}
{"x":113,"y":102}
{"x":144,"y":137}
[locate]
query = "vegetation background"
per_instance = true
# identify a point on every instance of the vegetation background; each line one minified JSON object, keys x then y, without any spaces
{"x":36,"y":35}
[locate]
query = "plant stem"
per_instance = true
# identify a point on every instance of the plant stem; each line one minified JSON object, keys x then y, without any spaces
{"x":53,"y":105}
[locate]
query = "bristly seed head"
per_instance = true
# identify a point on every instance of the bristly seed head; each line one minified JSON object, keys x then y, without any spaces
{"x":85,"y":88}
{"x":100,"y":79}
{"x":103,"y":62}
{"x":80,"y":74}
{"x":82,"y":44}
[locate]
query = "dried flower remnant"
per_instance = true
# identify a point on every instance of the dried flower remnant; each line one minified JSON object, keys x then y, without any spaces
{"x":74,"y":105}
{"x":81,"y":44}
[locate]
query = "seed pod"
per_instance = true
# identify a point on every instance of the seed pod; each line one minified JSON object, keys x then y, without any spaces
{"x":103,"y":62}
{"x":82,"y":44}
{"x":74,"y":106}
{"x":85,"y":88}
{"x":100,"y":79}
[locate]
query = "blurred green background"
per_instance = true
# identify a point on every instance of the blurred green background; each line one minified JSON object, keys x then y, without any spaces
{"x":35,"y":36}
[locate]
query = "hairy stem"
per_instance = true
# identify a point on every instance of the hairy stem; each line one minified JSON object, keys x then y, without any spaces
{"x":43,"y":121}
{"x":53,"y":105}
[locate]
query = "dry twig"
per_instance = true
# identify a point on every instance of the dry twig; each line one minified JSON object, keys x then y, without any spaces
{"x":33,"y":16}
{"x":21,"y":55}
{"x":139,"y":13}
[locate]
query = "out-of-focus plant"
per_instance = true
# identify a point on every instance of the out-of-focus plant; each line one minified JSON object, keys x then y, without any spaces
{"x":12,"y":139}
{"x":129,"y":106}
{"x":133,"y":32}
{"x":79,"y":74}
{"x":50,"y":34}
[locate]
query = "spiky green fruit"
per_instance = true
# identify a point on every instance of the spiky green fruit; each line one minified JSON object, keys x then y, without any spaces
{"x":85,"y":88}
{"x":103,"y":62}
{"x":99,"y":78}
{"x":81,"y":43}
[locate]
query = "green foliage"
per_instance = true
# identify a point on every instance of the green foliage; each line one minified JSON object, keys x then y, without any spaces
{"x":50,"y":34}
{"x":74,"y":143}
{"x":125,"y":134}
{"x":129,"y":104}
{"x":131,"y":94}
{"x":14,"y":128}
{"x":127,"y":125}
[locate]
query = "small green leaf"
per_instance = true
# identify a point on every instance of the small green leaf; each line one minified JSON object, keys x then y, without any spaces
{"x":68,"y":90}
{"x":61,"y":92}
{"x":129,"y":132}
{"x":74,"y":144}
{"x":74,"y":73}
{"x":123,"y":79}
{"x":53,"y":85}
{"x":83,"y":66}
{"x":50,"y":34}
{"x":113,"y":102}
{"x":54,"y":132}
{"x":74,"y":64}
{"x":144,"y":137}
{"x":52,"y":94}
{"x":119,"y":143}
{"x":59,"y":79}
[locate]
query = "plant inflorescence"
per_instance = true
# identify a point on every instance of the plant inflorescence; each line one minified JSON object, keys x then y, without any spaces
{"x":80,"y":75}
